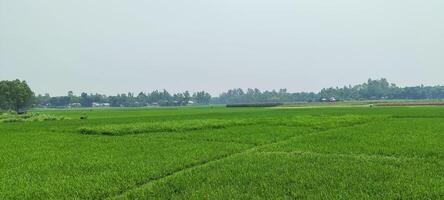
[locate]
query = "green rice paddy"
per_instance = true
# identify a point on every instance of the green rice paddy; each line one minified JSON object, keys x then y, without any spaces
{"x":225,"y":153}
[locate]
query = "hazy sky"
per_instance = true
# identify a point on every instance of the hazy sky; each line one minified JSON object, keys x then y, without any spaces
{"x":113,"y":46}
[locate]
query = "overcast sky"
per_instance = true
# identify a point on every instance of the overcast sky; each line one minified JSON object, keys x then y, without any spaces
{"x":114,"y":46}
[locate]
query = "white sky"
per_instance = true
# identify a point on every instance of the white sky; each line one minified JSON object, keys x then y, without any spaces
{"x":114,"y":46}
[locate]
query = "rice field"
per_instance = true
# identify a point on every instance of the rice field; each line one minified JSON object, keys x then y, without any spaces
{"x":225,"y":153}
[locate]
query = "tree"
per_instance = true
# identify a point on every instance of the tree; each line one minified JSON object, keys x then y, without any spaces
{"x":186,"y":97}
{"x":15,"y":95}
{"x":202,"y":97}
{"x":85,"y":100}
{"x":142,"y":98}
{"x":43,"y":100}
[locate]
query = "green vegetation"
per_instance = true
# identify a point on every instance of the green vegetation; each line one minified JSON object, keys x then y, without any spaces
{"x":372,"y":90}
{"x":15,"y":95}
{"x":175,"y":126}
{"x":319,"y":123}
{"x":226,"y":153}
{"x":8,"y":117}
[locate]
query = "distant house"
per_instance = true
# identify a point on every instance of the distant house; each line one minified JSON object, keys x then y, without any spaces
{"x":74,"y":105}
{"x":331,"y":99}
{"x":94,"y":104}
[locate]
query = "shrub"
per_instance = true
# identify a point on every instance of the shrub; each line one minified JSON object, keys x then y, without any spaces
{"x":30,"y":117}
{"x":171,"y":126}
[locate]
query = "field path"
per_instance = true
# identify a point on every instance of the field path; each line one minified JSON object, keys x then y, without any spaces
{"x":148,"y":183}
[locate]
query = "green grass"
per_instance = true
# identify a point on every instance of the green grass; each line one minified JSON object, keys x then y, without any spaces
{"x":175,"y":126}
{"x":9,"y":117}
{"x":319,"y":123}
{"x":277,"y":175}
{"x":226,"y":153}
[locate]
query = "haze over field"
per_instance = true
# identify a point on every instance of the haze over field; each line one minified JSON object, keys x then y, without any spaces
{"x":111,"y":46}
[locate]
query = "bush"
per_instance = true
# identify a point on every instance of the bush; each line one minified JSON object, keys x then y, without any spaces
{"x":172,"y":126}
{"x":30,"y":117}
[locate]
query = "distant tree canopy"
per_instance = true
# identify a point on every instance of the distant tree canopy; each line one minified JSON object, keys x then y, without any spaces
{"x":154,"y":98}
{"x":202,"y":97}
{"x":15,"y":95}
{"x":239,"y":96}
{"x":370,"y":90}
{"x":382,"y":89}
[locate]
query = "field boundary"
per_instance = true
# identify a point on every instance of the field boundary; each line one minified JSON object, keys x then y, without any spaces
{"x":351,"y":155}
{"x":417,"y":117}
{"x":149,"y":182}
{"x":209,"y":140}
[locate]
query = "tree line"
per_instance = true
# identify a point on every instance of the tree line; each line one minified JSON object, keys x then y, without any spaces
{"x":382,"y":89}
{"x":154,"y":98}
{"x":16,"y":95}
{"x":379,"y":89}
